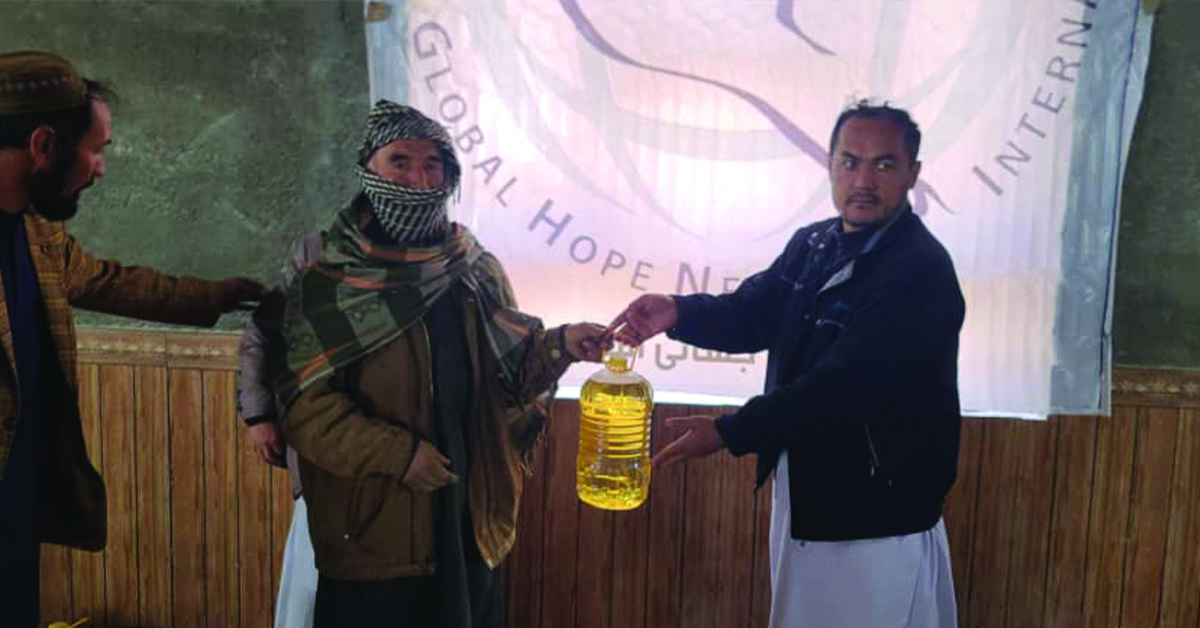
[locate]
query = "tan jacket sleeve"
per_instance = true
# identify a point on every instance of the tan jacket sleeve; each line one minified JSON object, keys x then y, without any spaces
{"x":547,"y":358}
{"x":138,"y":292}
{"x":545,"y":362}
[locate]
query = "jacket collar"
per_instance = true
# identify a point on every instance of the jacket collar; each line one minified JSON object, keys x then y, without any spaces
{"x":847,"y":271}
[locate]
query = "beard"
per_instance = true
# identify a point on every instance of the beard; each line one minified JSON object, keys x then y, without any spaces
{"x":48,"y":196}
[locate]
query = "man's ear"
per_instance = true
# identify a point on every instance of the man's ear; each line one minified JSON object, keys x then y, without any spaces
{"x":916,"y":174}
{"x":42,"y":146}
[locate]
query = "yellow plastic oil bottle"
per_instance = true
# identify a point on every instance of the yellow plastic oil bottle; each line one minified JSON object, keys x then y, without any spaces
{"x":612,"y":470}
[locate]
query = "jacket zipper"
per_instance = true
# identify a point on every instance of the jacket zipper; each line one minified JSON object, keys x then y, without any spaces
{"x":429,"y":354}
{"x":875,"y":466}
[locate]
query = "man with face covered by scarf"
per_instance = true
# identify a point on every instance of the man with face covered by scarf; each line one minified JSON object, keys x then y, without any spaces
{"x":408,"y":384}
{"x":54,"y":127}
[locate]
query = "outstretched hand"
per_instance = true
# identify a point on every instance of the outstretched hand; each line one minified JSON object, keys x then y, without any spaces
{"x":646,"y":317}
{"x":701,"y":439}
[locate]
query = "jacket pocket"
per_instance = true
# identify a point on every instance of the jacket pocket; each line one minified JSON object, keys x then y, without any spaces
{"x":387,"y":519}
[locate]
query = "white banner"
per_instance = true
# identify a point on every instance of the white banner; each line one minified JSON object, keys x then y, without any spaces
{"x":616,"y":148}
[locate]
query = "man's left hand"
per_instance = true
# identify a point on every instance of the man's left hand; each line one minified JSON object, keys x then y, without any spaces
{"x":240,"y":293}
{"x":267,"y":441}
{"x":585,"y":341}
{"x":701,"y":439}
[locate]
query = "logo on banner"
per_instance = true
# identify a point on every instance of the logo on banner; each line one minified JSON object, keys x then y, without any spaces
{"x":581,"y":233}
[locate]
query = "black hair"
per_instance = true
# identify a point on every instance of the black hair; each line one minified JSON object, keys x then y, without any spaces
{"x":70,"y":125}
{"x":899,"y":117}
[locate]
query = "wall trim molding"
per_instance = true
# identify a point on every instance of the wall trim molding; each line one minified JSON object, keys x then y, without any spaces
{"x":171,"y":349}
{"x":1175,"y":388}
{"x":219,"y":351}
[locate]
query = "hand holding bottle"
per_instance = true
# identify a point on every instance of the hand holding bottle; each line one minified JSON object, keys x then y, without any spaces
{"x":646,"y":317}
{"x":586,"y":341}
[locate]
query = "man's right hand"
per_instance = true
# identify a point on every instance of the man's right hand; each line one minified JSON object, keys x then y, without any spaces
{"x":429,"y":469}
{"x":646,"y":317}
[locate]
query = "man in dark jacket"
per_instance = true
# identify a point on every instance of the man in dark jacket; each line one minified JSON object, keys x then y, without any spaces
{"x":860,"y":415}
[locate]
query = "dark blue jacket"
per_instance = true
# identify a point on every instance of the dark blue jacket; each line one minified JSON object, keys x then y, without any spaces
{"x":862,"y":377}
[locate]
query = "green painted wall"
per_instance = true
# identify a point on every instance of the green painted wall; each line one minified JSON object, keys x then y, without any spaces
{"x":1156,"y":320}
{"x":237,"y":126}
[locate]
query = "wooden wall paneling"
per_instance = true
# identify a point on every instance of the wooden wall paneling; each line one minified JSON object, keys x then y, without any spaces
{"x":703,"y":499}
{"x":1145,"y":554}
{"x":254,"y":552}
{"x":666,"y":509}
{"x":1034,"y":465}
{"x":631,"y":535}
{"x":120,"y":567}
{"x":594,"y":567}
{"x":760,"y":566}
{"x":1181,"y":574}
{"x":153,"y":462}
{"x":1068,"y":534}
{"x":988,"y":595}
{"x":524,"y":578}
{"x":990,"y":548}
{"x":701,"y":528}
{"x":562,"y":519}
{"x":631,"y":551}
{"x":1106,"y":509}
{"x":737,"y":526}
{"x":87,"y":569}
{"x":186,"y":407}
{"x":221,"y":499}
{"x":718,"y":507}
{"x":1108,"y":528}
{"x":960,"y":508}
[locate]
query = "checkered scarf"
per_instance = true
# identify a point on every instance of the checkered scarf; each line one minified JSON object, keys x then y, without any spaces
{"x":359,"y":296}
{"x":407,"y":215}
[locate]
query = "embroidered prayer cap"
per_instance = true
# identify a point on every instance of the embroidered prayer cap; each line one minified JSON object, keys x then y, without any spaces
{"x":35,"y":82}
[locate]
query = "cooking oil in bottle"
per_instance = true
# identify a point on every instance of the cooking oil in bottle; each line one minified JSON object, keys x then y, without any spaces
{"x":612,"y":470}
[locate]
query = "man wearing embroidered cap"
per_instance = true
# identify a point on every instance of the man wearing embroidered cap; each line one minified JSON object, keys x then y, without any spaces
{"x":54,"y":127}
{"x":408,"y":385}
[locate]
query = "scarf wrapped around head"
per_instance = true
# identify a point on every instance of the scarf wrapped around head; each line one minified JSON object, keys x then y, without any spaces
{"x":359,"y":296}
{"x":407,"y":214}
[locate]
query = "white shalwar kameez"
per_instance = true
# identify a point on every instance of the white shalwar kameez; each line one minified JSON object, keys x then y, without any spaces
{"x":891,"y":582}
{"x":298,"y":579}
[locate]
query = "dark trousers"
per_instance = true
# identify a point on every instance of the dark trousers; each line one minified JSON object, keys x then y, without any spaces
{"x":378,"y":603}
{"x":402,"y":603}
{"x":20,"y":552}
